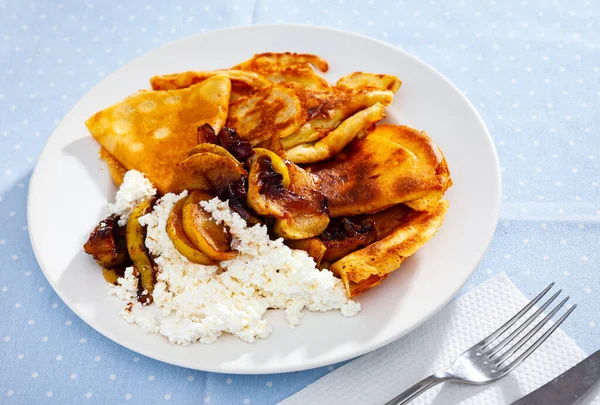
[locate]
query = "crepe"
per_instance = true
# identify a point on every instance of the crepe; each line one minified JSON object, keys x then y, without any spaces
{"x":115,"y":168}
{"x":362,"y":80}
{"x":390,"y":165}
{"x":337,"y":139}
{"x":242,"y":83}
{"x":152,"y":131}
{"x":273,"y":112}
{"x":401,"y":231}
{"x":327,"y":110}
{"x":289,"y":67}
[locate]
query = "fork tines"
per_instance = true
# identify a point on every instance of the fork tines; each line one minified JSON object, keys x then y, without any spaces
{"x":499,"y":351}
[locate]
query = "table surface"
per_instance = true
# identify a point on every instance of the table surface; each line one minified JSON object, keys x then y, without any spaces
{"x":532,"y":68}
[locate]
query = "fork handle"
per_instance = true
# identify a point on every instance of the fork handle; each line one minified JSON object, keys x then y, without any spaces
{"x":418,"y":388}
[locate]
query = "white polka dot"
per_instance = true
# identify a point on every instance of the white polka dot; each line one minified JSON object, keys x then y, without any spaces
{"x":59,"y":357}
{"x":546,"y":257}
{"x":44,"y":339}
{"x":190,"y":378}
{"x":507,"y":256}
{"x":41,"y":289}
{"x":246,"y":401}
{"x":587,"y":290}
{"x":136,"y":359}
{"x":563,"y":242}
{"x":27,"y":273}
{"x":30,"y":322}
{"x":88,"y":395}
{"x":10,"y":393}
{"x":566,"y":273}
{"x":20,"y":356}
{"x":151,"y":378}
{"x":112,"y":377}
{"x":228,"y":381}
{"x":49,"y":394}
{"x":592,"y":324}
{"x":167,"y":396}
{"x":68,"y":323}
{"x":14,"y":257}
{"x":526,"y":241}
{"x":73,"y":376}
{"x":18,"y":305}
{"x":584,"y":258}
{"x":128,"y":396}
{"x":7,"y":338}
{"x":207,"y":399}
{"x":4,"y":289}
{"x":269,"y":384}
{"x":83,"y":340}
{"x":34,"y":375}
{"x":97,"y":358}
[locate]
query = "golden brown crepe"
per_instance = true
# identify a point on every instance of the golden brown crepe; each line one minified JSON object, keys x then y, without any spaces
{"x":152,"y":131}
{"x":269,"y":62}
{"x":272,"y":112}
{"x":405,"y":230}
{"x":337,"y":139}
{"x":325,"y":111}
{"x":390,"y":165}
{"x":362,"y":80}
{"x":289,"y":67}
{"x":115,"y":168}
{"x":243,"y":83}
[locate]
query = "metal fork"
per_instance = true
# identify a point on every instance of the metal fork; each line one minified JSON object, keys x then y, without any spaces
{"x":485,"y":362}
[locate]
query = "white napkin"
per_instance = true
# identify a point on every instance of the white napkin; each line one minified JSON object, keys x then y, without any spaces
{"x":381,"y":375}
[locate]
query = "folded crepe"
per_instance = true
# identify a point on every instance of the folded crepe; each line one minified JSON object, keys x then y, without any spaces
{"x":390,"y":165}
{"x":152,"y":131}
{"x":400,"y":232}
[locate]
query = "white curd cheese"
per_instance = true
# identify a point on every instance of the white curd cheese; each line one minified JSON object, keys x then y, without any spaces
{"x":197,"y":303}
{"x":135,"y":189}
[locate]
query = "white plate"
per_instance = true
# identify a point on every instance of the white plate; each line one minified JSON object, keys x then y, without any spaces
{"x":70,"y":186}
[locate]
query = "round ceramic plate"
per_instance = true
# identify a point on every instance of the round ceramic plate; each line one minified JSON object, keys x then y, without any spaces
{"x":70,"y":186}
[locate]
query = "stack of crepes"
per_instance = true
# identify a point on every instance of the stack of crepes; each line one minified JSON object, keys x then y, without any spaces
{"x":358,"y":197}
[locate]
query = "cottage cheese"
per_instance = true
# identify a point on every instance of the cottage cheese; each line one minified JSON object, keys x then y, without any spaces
{"x":196,"y":303}
{"x":135,"y":189}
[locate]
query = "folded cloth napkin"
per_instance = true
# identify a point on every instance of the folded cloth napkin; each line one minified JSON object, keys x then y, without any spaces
{"x":381,"y":375}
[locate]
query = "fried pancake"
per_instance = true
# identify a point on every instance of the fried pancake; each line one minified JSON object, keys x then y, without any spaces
{"x":327,"y":110}
{"x":273,"y":112}
{"x":367,"y":267}
{"x":289,"y":67}
{"x":337,"y":139}
{"x":390,"y":165}
{"x":243,"y":83}
{"x":362,"y":80}
{"x":152,"y":131}
{"x":265,"y":63}
{"x":115,"y":168}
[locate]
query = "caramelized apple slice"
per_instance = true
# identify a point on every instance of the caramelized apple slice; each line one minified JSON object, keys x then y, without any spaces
{"x":300,"y":211}
{"x":204,"y":233}
{"x":278,"y":165}
{"x":179,"y":238}
{"x":207,"y":172}
{"x":212,"y":148}
{"x":112,"y":275}
{"x":313,"y":246}
{"x":135,"y":235}
{"x":107,"y":244}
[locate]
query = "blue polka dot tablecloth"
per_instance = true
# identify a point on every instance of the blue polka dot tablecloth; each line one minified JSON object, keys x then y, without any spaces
{"x":531,"y":67}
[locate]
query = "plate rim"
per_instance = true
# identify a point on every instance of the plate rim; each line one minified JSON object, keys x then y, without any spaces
{"x":369,"y":347}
